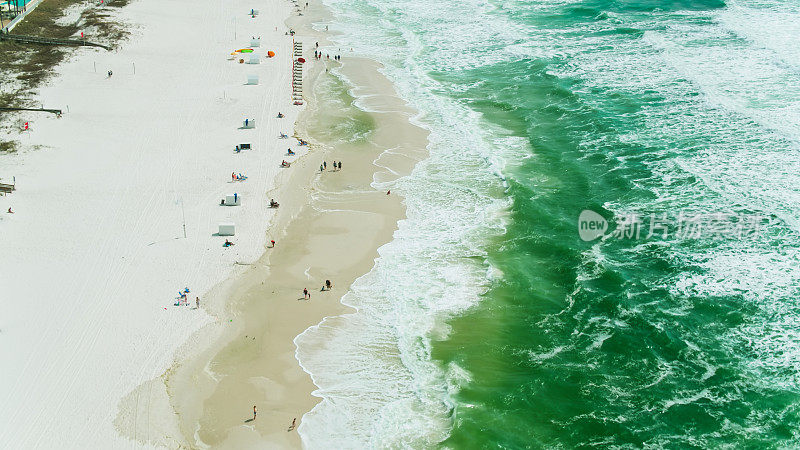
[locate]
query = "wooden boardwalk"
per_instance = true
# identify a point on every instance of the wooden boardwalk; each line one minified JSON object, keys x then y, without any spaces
{"x":54,"y":111}
{"x":7,"y":188}
{"x":49,"y":41}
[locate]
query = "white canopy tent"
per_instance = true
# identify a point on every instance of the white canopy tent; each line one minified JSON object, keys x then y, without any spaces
{"x":227,"y":229}
{"x":232,"y":200}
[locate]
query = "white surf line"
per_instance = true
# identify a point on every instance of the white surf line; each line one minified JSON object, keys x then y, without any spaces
{"x":197,"y":441}
{"x":344,"y":210}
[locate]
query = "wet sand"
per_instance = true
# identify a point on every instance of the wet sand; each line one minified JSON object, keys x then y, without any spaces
{"x":329,"y":226}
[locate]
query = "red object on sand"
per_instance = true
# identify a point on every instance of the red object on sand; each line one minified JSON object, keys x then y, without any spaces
{"x":301,"y":60}
{"x":26,"y":125}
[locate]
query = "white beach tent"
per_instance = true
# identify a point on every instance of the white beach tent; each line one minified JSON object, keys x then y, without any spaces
{"x":254,"y":59}
{"x":232,"y":199}
{"x":252,"y":79}
{"x":249,"y":123}
{"x":227,"y":229}
{"x":255,"y":42}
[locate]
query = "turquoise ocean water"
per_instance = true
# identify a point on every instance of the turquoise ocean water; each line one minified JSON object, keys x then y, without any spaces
{"x":488,"y":322}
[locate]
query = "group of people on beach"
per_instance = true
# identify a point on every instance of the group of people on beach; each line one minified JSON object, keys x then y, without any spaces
{"x":183,"y":298}
{"x":255,"y":415}
{"x":318,"y":56}
{"x":335,"y":165}
{"x":325,"y":287}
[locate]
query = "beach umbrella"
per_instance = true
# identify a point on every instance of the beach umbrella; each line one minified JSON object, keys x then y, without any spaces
{"x":270,"y":53}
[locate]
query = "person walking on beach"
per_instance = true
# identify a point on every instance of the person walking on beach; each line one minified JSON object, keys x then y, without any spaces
{"x":328,"y":284}
{"x":294,"y":424}
{"x":197,"y":302}
{"x":254,"y":412}
{"x":321,"y":168}
{"x":306,"y":295}
{"x":273,"y":243}
{"x":340,"y":165}
{"x":334,"y":165}
{"x":325,"y":164}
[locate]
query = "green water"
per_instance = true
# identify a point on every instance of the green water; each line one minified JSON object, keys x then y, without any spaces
{"x":592,"y":346}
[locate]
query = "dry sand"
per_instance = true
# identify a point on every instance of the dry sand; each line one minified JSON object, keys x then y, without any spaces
{"x":94,"y":255}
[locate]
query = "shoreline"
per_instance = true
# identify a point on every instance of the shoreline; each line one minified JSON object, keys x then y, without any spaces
{"x":331,"y":213}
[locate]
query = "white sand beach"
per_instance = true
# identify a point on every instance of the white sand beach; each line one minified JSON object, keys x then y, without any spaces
{"x":93,"y":257}
{"x":329,"y":227}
